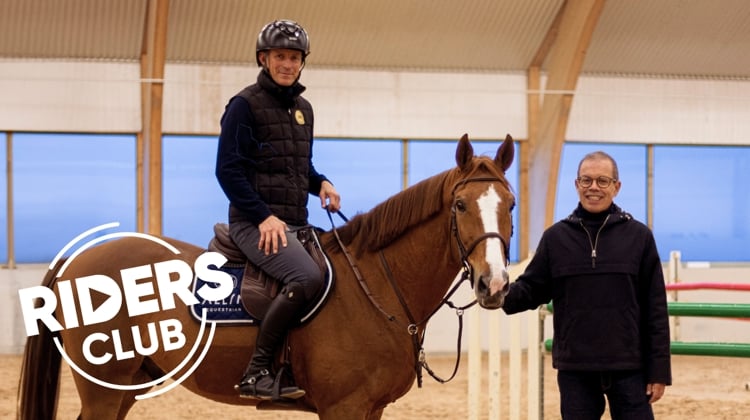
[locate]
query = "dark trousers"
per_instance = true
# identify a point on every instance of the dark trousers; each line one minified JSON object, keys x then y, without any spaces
{"x":291,"y":264}
{"x":582,"y":395}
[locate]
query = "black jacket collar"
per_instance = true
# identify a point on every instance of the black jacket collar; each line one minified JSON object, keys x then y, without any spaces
{"x":614,"y":212}
{"x":285,"y":94}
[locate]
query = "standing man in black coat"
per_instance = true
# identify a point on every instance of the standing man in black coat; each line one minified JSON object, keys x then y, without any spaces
{"x":601,"y":269}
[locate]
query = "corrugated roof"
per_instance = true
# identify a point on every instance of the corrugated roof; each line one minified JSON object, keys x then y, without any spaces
{"x":673,"y":37}
{"x":684,"y":38}
{"x":85,"y":29}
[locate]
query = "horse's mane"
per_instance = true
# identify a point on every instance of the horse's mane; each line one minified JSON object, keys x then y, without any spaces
{"x":388,"y":220}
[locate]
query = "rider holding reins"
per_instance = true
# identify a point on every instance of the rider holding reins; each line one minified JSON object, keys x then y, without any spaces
{"x":264,"y":165}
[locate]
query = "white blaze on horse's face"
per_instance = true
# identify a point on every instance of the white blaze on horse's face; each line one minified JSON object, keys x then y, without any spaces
{"x":488,"y":203}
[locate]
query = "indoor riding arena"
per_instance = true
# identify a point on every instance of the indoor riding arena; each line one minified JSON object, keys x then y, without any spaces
{"x":110,"y":117}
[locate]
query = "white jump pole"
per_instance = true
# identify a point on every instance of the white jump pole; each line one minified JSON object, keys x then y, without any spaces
{"x":475,"y":363}
{"x":514,"y":367}
{"x":495,"y":366}
{"x":673,"y":278}
{"x":514,"y":354}
{"x":494,"y":371}
{"x":534,"y":366}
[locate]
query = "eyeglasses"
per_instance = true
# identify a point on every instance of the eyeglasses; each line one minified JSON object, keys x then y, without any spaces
{"x":602,"y":181}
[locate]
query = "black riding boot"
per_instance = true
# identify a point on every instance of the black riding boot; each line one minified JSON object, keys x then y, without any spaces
{"x":258,"y":381}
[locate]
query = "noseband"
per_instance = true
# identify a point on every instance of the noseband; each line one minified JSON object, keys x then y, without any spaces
{"x":464,"y":251}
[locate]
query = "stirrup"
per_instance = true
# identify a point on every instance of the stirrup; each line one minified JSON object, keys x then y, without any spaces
{"x":292,"y":392}
{"x":257,"y":387}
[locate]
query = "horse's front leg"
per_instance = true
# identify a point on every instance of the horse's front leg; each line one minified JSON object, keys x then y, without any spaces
{"x":376,"y":415}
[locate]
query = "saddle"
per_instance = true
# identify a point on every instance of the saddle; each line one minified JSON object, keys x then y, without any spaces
{"x":258,"y":289}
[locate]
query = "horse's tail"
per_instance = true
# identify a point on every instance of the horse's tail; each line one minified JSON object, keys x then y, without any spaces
{"x":40,"y":371}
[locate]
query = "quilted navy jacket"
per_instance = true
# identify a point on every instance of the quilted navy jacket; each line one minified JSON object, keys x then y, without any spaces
{"x":264,"y":158}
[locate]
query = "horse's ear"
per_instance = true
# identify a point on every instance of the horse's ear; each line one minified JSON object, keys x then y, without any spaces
{"x":505,"y":152}
{"x":464,"y":152}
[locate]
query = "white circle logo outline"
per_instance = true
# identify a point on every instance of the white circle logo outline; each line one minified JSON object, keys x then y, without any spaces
{"x":168,"y":375}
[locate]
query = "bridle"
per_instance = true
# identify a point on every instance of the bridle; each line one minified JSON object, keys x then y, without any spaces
{"x":465,"y":252}
{"x":413,"y":328}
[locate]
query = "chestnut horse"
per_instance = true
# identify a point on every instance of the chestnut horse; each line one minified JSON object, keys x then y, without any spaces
{"x":393,"y":266}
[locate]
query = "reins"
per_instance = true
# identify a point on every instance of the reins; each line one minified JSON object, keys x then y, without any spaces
{"x":413,"y":328}
{"x":355,"y":269}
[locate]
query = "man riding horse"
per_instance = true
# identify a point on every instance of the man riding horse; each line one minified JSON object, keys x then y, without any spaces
{"x":264,"y":165}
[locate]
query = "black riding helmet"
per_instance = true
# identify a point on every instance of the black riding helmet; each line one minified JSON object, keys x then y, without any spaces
{"x":282,"y":34}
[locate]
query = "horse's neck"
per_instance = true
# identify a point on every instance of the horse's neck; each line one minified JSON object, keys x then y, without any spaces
{"x":423,"y":264}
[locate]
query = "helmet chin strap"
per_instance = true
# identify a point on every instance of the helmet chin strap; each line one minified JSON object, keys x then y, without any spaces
{"x":263,"y":59}
{"x":300,"y":70}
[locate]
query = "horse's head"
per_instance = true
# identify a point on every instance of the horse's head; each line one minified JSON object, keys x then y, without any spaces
{"x":481,"y":220}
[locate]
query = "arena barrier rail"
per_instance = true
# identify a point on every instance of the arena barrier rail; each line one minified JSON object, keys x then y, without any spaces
{"x":714,"y":310}
{"x":537,"y":345}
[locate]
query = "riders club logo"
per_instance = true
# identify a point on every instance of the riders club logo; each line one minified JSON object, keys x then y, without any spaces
{"x":168,"y":332}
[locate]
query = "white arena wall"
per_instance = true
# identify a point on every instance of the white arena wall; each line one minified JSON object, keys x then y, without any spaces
{"x":98,"y":97}
{"x":64,"y":96}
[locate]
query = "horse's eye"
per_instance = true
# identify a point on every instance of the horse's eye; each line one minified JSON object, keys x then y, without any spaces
{"x":460,"y":206}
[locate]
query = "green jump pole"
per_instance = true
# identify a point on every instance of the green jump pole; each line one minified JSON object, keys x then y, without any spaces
{"x":711,"y":349}
{"x":698,"y":349}
{"x":728,"y":310}
{"x":725,"y":310}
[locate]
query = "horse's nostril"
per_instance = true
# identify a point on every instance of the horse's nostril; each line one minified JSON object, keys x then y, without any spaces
{"x":482,"y":285}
